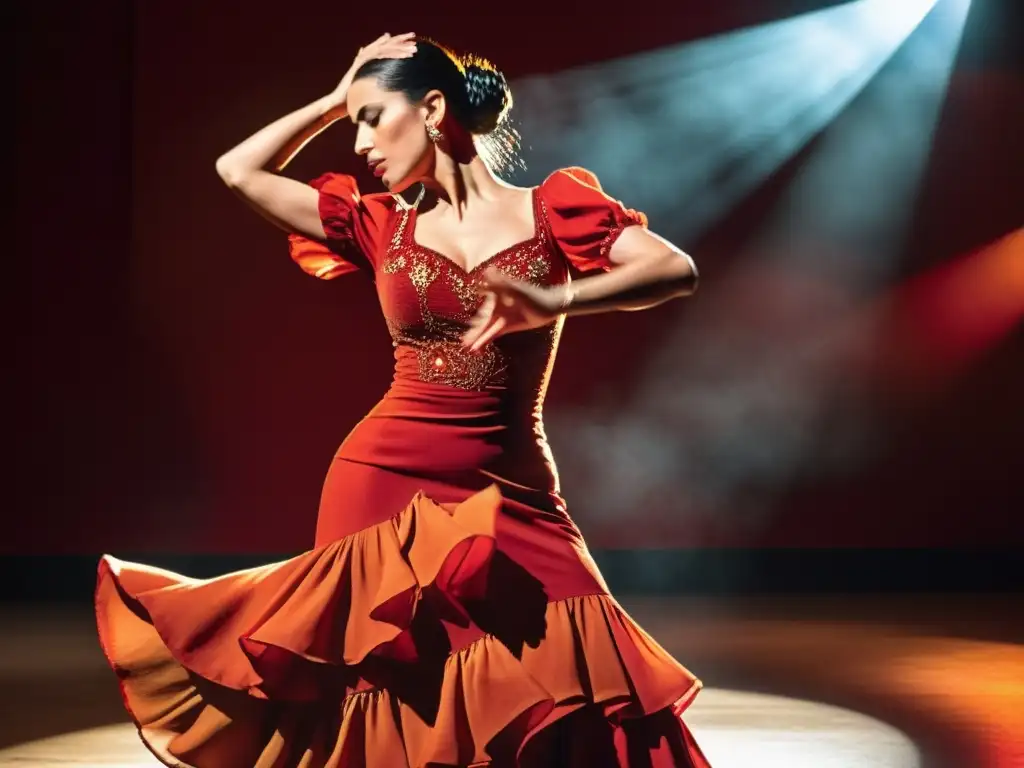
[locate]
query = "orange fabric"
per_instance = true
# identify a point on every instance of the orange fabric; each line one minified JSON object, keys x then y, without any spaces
{"x":203,"y":692}
{"x":449,"y":613}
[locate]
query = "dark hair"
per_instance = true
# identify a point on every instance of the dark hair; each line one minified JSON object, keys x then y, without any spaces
{"x":474,"y":90}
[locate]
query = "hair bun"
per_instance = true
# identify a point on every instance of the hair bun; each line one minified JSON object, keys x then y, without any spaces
{"x":488,"y":95}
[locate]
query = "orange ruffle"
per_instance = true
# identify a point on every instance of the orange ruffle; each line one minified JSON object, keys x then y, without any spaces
{"x":268,"y":667}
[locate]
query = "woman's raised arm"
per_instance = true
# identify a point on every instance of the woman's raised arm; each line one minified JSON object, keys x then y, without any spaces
{"x":251,"y":168}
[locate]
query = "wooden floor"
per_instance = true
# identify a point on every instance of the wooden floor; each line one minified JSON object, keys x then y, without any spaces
{"x":910,"y":682}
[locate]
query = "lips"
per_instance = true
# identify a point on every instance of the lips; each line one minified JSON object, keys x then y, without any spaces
{"x":376,"y":167}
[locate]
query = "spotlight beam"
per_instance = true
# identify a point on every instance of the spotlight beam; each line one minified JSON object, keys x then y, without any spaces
{"x":686,"y":132}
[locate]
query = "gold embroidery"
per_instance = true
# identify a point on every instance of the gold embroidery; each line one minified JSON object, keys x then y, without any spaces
{"x":465,"y":288}
{"x":449,"y":362}
{"x":535,"y":268}
{"x":393,"y":266}
{"x":423,"y":272}
{"x":437,"y":339}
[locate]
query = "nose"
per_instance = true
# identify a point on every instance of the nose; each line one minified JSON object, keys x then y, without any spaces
{"x":364,"y":141}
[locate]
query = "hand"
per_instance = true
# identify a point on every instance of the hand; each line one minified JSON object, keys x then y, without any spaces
{"x":384,"y":47}
{"x":512,"y":305}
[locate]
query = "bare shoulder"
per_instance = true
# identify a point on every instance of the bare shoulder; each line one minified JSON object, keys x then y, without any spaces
{"x":513,"y":191}
{"x":517,"y":199}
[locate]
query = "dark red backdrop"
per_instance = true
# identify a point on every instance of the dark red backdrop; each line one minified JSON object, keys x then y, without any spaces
{"x":180,"y":386}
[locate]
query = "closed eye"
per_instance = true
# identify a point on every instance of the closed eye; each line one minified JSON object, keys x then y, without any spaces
{"x":369,"y":115}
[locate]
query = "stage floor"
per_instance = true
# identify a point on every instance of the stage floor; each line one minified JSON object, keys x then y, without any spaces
{"x":825,"y":682}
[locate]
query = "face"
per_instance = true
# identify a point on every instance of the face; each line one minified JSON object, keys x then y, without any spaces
{"x":390,"y":133}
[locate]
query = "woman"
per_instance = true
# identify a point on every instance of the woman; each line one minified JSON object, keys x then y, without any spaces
{"x":449,"y":613}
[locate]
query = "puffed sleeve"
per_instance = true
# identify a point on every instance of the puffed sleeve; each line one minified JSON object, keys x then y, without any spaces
{"x":353,"y":224}
{"x":584,"y":221}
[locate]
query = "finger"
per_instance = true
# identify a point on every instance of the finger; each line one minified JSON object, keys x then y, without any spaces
{"x":476,"y":327}
{"x":468,"y":338}
{"x":374,"y":45}
{"x":395,"y":49}
{"x":382,"y":40}
{"x":473,"y":333}
{"x":398,"y":42}
{"x":490,"y":301}
{"x":389,"y":41}
{"x":493,"y":330}
{"x":477,"y":320}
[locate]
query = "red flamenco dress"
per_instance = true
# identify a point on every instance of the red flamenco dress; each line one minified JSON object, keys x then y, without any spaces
{"x":449,"y":613}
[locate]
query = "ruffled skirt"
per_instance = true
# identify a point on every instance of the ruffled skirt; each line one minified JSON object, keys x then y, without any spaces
{"x":368,"y":652}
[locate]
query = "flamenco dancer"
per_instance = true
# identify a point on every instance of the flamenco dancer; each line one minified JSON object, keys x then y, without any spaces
{"x":449,"y":613}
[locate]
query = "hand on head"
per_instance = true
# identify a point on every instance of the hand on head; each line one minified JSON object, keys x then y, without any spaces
{"x":386,"y":46}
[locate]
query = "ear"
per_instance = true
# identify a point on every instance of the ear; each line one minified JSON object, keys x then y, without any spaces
{"x":433,"y":107}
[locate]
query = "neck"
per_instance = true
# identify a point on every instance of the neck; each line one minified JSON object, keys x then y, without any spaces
{"x":459,"y":182}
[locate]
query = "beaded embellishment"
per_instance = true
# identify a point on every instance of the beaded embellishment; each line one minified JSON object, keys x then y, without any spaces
{"x":437,"y":339}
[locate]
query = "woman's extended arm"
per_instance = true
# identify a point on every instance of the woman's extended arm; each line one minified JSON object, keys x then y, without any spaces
{"x":246,"y":168}
{"x":648,"y":271}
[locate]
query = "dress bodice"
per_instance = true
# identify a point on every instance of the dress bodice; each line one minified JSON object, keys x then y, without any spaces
{"x":427,"y":299}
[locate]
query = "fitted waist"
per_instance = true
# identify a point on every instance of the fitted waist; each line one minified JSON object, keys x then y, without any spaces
{"x":496,"y":405}
{"x":517,"y":362}
{"x":433,"y":429}
{"x":448,"y":363}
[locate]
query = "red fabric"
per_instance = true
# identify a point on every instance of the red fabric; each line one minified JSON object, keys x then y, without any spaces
{"x":353,"y":224}
{"x":584,"y":220}
{"x":449,"y":613}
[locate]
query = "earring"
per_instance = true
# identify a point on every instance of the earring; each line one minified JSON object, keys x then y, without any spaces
{"x":433,"y":134}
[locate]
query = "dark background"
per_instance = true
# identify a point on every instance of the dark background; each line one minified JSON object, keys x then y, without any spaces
{"x":180,"y":386}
